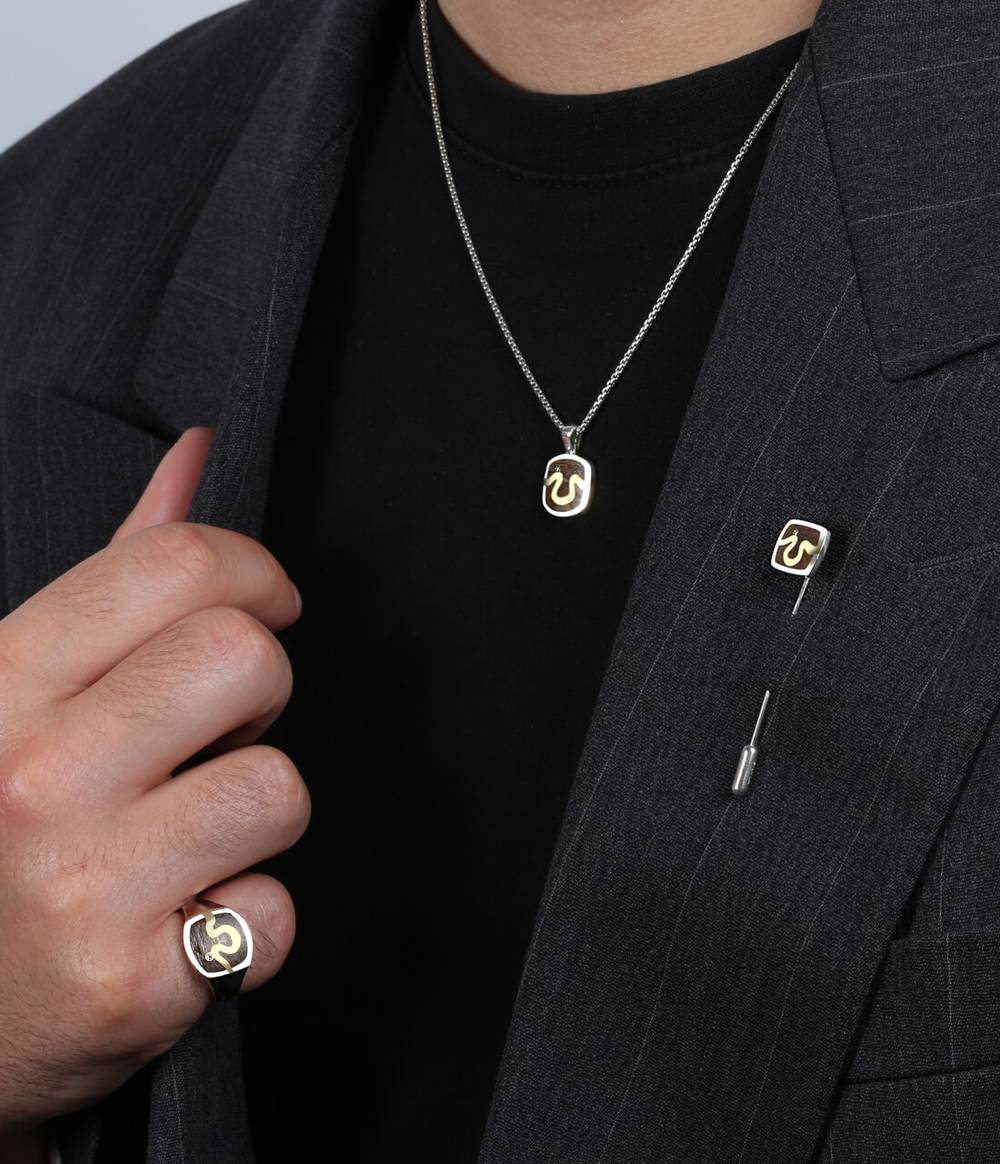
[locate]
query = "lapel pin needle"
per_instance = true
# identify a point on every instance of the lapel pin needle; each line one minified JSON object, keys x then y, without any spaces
{"x":748,"y":756}
{"x":800,"y":548}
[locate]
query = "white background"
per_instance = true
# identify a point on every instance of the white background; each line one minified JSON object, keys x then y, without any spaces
{"x":52,"y":51}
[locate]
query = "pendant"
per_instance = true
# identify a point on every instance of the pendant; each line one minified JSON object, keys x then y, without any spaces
{"x":568,"y":483}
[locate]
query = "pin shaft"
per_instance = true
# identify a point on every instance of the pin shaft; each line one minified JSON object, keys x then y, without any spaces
{"x":802,"y":594}
{"x":748,"y":755}
{"x":760,"y":717}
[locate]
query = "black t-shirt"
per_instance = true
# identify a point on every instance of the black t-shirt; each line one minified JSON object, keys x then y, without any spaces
{"x":454,"y":635}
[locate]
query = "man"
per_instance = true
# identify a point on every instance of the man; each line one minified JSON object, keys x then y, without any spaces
{"x":539,"y":343}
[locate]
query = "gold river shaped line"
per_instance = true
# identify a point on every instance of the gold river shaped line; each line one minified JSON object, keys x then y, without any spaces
{"x":556,"y":496}
{"x":806,"y":550}
{"x":235,"y":940}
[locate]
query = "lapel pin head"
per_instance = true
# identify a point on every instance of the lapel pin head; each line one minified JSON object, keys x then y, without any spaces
{"x":799,"y":549}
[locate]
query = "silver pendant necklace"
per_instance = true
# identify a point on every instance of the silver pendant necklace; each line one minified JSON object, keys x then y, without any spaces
{"x":568,"y":481}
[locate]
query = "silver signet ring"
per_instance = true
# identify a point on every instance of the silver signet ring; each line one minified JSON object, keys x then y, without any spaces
{"x":219,"y":945}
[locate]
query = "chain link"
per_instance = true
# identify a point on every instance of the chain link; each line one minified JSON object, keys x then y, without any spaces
{"x":654,"y":311}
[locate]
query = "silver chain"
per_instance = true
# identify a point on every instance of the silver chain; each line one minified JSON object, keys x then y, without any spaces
{"x":654,"y":311}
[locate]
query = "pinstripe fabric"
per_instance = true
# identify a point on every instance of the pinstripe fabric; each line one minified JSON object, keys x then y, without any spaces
{"x":909,"y":94}
{"x":805,"y":974}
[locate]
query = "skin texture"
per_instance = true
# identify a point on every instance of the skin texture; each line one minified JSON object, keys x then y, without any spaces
{"x":157,"y":649}
{"x":596,"y":46}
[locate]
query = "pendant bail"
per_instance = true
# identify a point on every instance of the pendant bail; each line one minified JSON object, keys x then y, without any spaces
{"x":570,"y":437}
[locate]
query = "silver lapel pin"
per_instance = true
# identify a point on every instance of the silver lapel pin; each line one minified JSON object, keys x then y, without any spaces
{"x":800,"y":549}
{"x":748,"y":756}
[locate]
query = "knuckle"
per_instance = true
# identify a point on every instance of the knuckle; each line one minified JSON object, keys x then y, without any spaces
{"x":33,"y":771}
{"x":216,"y":812}
{"x":118,"y":992}
{"x":274,"y":931}
{"x":180,"y":553}
{"x":81,"y":942}
{"x":281,"y":792}
{"x":241,"y":641}
{"x":272,"y":571}
{"x":22,"y":802}
{"x":62,"y":897}
{"x":255,"y":787}
{"x":11,"y":665}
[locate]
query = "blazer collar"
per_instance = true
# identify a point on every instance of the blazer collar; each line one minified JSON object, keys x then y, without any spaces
{"x":922,"y":216}
{"x":224,"y":331}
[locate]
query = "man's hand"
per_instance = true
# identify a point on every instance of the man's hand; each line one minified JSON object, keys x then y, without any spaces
{"x":157,"y":649}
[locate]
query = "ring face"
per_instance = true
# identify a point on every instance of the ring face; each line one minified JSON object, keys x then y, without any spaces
{"x":218,"y":942}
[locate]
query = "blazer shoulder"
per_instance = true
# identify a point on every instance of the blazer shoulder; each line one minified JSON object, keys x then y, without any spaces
{"x":89,"y":197}
{"x":169,"y":108}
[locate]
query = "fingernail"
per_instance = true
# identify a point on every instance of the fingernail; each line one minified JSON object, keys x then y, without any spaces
{"x":298,"y":599}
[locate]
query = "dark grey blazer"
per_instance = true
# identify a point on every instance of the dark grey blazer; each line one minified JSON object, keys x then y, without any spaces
{"x":811,"y":972}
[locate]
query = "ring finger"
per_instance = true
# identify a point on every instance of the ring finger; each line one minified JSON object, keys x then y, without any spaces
{"x":181,"y":994}
{"x":214,"y":821}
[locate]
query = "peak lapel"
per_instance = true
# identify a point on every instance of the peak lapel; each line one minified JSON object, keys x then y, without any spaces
{"x":219,"y":352}
{"x":220,"y":348}
{"x":699,"y":963}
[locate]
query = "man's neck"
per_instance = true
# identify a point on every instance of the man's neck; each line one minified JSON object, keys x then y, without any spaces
{"x":595,"y":46}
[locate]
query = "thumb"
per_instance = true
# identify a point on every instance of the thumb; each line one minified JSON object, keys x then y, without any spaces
{"x":171,"y":487}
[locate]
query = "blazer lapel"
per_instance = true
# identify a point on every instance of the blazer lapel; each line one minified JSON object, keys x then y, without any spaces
{"x":258,"y":176}
{"x":225,"y":329}
{"x":219,"y":352}
{"x":700,"y":963}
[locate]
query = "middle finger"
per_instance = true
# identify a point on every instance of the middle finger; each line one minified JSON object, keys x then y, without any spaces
{"x":207,"y":675}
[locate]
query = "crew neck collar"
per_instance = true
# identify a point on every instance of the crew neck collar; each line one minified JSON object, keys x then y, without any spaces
{"x":657,"y":125}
